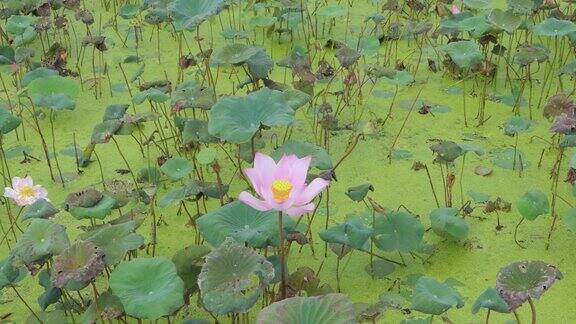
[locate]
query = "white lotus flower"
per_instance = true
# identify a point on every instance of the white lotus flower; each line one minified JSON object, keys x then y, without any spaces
{"x":24,"y":192}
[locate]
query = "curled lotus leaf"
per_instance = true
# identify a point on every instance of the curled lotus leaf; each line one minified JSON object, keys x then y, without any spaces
{"x":353,"y":232}
{"x":80,"y":263}
{"x":237,"y":119}
{"x":41,"y":208}
{"x":233,"y":278}
{"x":8,"y":121}
{"x":243,"y":223}
{"x":87,"y":197}
{"x":433,"y":297}
{"x":11,"y":271}
{"x":398,"y":231}
{"x":520,"y":281}
{"x":446,"y":151}
{"x":491,"y":300}
{"x":320,"y":157}
{"x":533,"y":204}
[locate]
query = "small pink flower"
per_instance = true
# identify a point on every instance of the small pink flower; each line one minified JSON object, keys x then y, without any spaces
{"x":282,"y":186}
{"x":455,"y":10}
{"x":24,"y":192}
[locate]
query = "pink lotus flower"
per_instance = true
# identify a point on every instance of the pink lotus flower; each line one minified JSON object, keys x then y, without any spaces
{"x":24,"y":192}
{"x":282,"y":186}
{"x":455,"y":10}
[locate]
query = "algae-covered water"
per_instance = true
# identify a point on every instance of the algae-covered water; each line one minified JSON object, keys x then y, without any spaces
{"x":473,"y":261}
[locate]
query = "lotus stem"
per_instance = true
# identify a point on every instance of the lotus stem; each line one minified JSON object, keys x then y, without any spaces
{"x":25,"y":303}
{"x":532,"y":309}
{"x":282,"y":257}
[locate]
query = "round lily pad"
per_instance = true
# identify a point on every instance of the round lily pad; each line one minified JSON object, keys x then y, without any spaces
{"x":233,"y":278}
{"x":148,"y":288}
{"x":519,"y":281}
{"x":510,"y":158}
{"x":327,"y":309}
{"x":176,"y":168}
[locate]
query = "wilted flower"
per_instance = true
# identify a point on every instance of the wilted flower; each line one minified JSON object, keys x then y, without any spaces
{"x":282,"y":186}
{"x":24,"y":192}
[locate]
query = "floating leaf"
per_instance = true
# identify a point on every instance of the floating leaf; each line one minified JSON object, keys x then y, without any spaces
{"x":510,"y":158}
{"x":570,"y":219}
{"x":517,"y":124}
{"x":446,"y":151}
{"x":148,"y":288}
{"x":224,"y":291}
{"x":327,"y":309}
